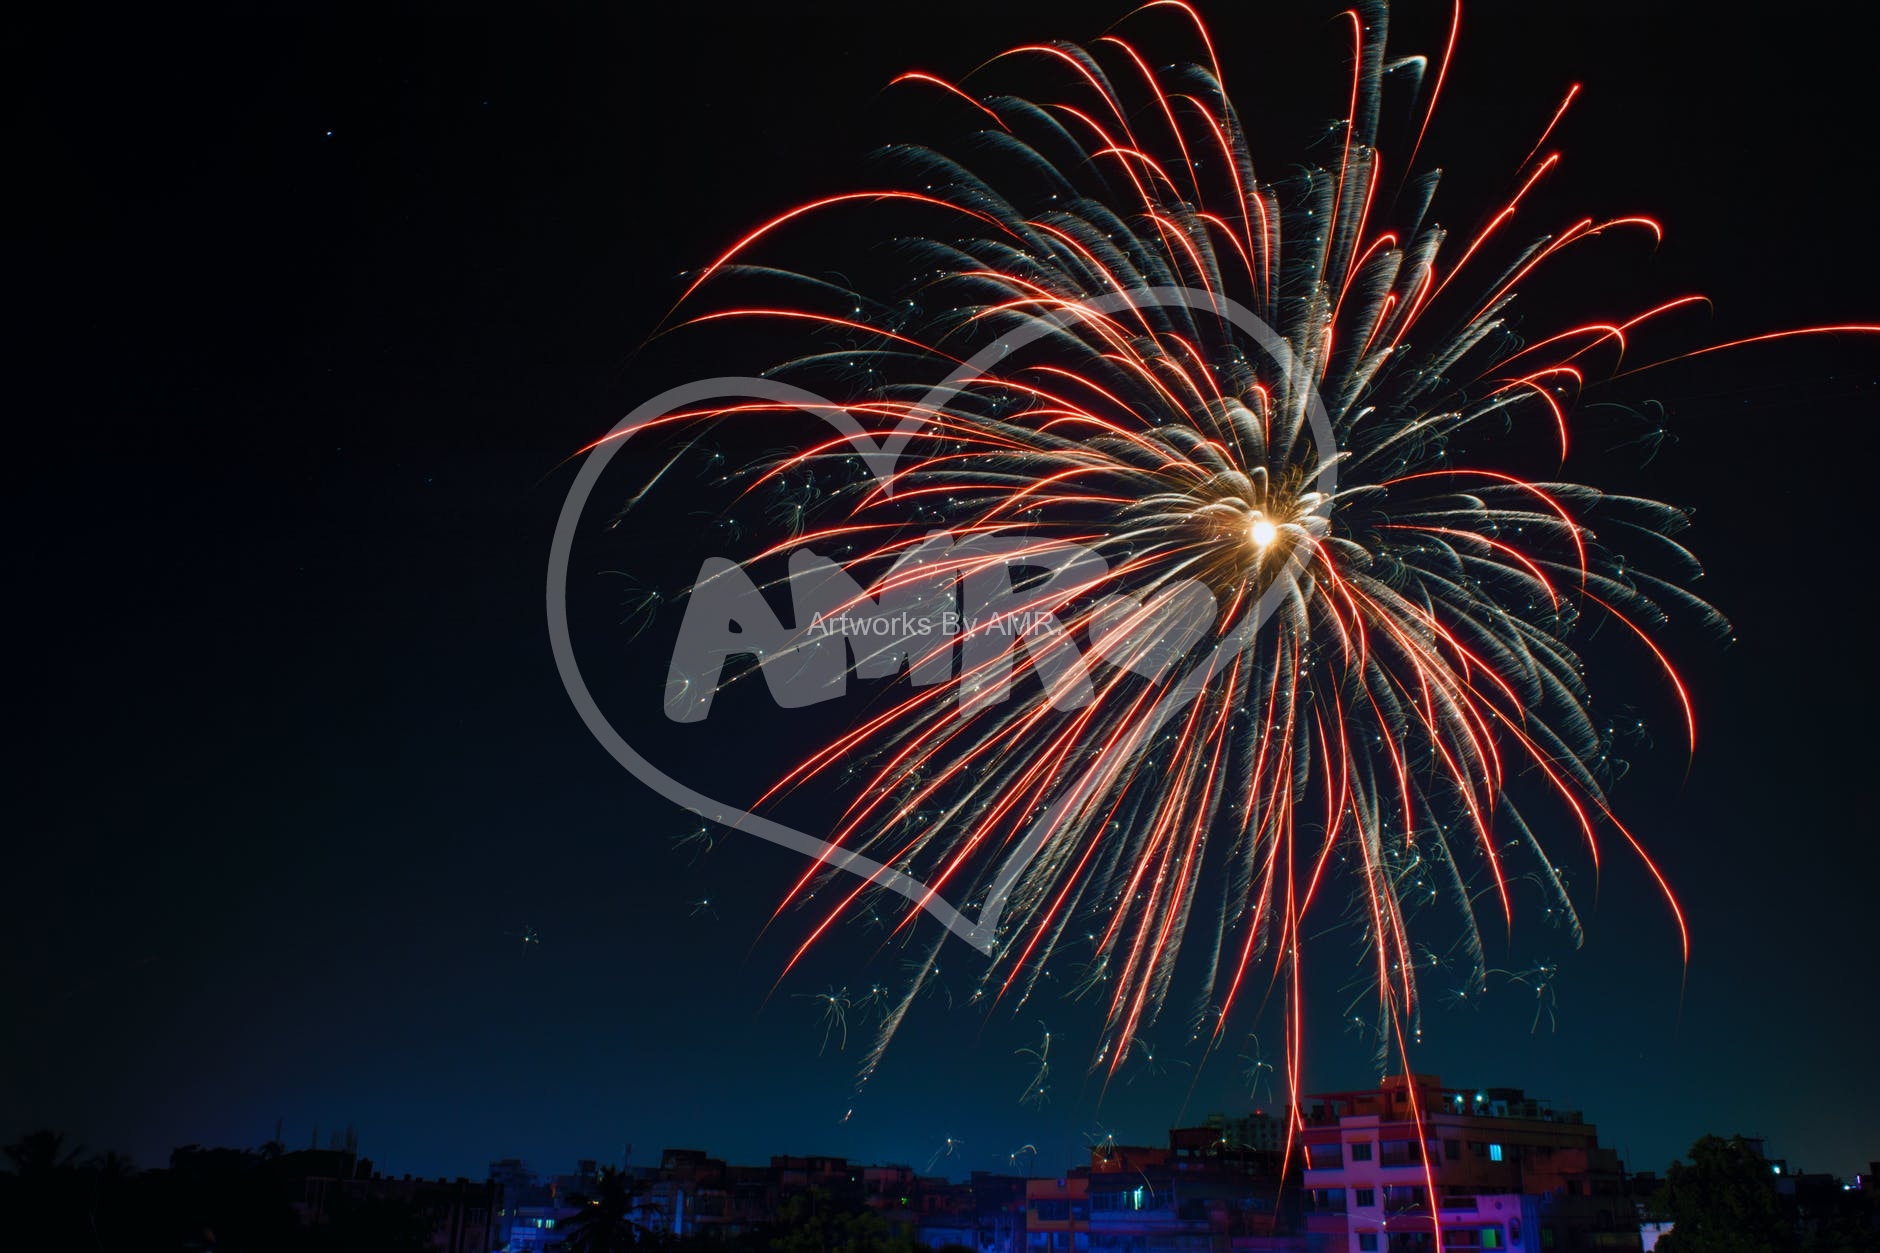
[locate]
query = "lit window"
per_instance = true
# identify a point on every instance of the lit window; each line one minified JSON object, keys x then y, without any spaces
{"x":1494,"y":1152}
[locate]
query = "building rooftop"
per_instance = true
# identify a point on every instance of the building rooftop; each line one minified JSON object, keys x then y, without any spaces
{"x":1391,"y":1101}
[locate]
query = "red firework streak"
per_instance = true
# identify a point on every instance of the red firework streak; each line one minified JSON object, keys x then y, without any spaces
{"x":1403,"y":640}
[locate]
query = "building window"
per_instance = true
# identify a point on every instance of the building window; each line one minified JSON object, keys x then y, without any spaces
{"x":1324,"y":1156}
{"x":1361,"y":1151}
{"x":1494,"y":1152}
{"x":1367,"y":1241}
{"x":1452,"y":1149}
{"x":1366,"y":1198}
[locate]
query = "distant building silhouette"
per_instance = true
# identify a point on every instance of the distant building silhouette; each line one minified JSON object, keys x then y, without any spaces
{"x":1204,"y":1192}
{"x":461,"y":1213}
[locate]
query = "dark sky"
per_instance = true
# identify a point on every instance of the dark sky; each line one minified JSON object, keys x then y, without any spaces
{"x":311,"y":306}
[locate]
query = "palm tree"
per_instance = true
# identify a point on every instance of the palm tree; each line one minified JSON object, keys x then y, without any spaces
{"x":39,"y":1154}
{"x":41,"y":1189}
{"x":106,"y":1181}
{"x":616,"y":1218}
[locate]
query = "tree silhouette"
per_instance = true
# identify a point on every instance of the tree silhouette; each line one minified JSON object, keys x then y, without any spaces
{"x":815,"y":1222}
{"x":39,"y":1155}
{"x":615,"y":1217}
{"x":1724,"y":1201}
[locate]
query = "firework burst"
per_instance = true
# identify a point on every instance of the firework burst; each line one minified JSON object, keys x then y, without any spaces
{"x":1383,"y":682}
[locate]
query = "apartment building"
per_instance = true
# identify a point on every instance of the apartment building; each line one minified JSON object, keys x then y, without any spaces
{"x":1492,"y":1168}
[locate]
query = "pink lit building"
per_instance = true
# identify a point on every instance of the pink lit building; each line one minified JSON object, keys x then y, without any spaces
{"x":1493,"y":1168}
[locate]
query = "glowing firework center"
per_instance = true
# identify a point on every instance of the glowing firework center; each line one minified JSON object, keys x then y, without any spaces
{"x":1237,"y":693}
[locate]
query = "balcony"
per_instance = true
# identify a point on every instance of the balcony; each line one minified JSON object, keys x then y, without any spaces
{"x":1325,"y":1156}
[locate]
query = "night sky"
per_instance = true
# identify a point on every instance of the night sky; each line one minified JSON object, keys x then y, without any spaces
{"x":312,"y":306}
